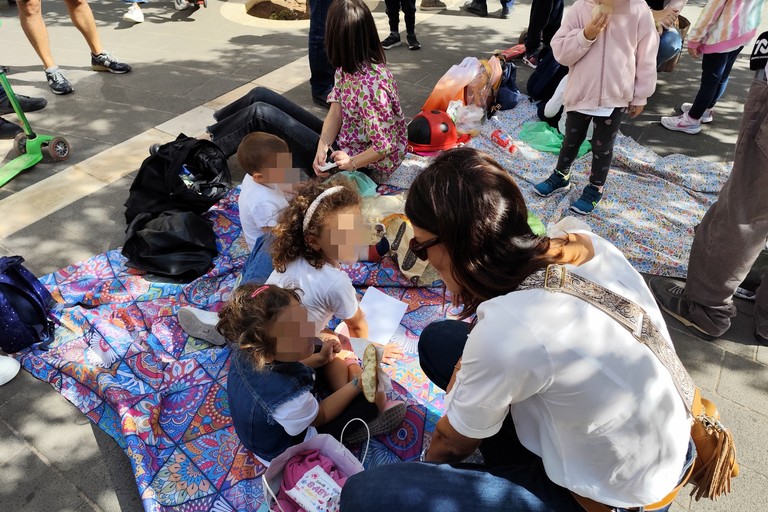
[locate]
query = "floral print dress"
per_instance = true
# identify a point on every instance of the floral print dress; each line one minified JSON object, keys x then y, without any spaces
{"x":371,"y":117}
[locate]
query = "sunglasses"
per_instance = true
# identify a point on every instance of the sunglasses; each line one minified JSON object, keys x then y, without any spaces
{"x":420,"y":250}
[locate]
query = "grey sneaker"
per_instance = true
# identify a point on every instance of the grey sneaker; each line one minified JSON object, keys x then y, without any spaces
{"x":432,"y":5}
{"x":107,"y":62}
{"x":57,"y":82}
{"x":669,"y":296}
{"x":199,"y":323}
{"x":388,"y":420}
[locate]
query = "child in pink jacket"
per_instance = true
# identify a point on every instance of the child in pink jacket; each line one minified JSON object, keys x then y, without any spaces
{"x":723,"y":28}
{"x":610,"y":48}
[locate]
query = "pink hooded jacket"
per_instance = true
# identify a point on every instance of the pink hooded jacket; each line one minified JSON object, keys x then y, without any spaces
{"x":618,"y":68}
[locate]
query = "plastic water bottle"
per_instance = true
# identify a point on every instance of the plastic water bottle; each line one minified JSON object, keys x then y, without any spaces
{"x":503,"y":140}
{"x":186,"y":176}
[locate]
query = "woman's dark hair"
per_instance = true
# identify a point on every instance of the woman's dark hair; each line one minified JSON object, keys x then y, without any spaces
{"x":290,"y":237}
{"x":473,"y":205}
{"x":351,"y":38}
{"x":245,"y":319}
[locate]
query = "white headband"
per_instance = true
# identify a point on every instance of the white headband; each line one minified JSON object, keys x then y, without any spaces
{"x":314,"y":204}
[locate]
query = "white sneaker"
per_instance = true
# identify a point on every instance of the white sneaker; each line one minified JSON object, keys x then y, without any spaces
{"x":134,"y":14}
{"x":682,"y":123}
{"x":9,"y":368}
{"x":200,"y":323}
{"x":707,"y":117}
{"x":181,"y":5}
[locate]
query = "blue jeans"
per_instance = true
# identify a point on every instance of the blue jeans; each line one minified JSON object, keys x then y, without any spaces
{"x":512,"y":477}
{"x":670,"y":44}
{"x":321,"y":71}
{"x":266,"y":111}
{"x":715,"y":70}
{"x":258,"y":266}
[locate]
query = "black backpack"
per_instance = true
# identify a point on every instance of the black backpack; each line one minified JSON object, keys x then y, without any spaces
{"x":25,"y":305}
{"x":186,"y":175}
{"x":180,"y":245}
{"x":547,"y":75}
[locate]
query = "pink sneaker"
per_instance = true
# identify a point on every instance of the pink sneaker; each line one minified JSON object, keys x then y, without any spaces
{"x":707,"y":117}
{"x":682,"y":123}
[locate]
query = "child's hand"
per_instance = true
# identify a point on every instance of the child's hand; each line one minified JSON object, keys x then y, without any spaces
{"x":694,"y":52}
{"x":326,"y":353}
{"x":332,"y":338}
{"x":665,"y":17}
{"x":596,"y":26}
{"x":392,"y":352}
{"x":635,"y":110}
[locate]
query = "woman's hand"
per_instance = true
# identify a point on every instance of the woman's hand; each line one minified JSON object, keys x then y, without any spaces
{"x":665,"y":17}
{"x":596,"y":26}
{"x":392,"y":352}
{"x":320,"y":160}
{"x":343,"y":161}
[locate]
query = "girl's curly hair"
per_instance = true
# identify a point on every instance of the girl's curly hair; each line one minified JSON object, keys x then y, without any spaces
{"x":245,"y":319}
{"x":290,"y":237}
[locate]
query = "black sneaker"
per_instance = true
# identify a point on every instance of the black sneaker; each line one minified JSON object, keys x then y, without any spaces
{"x":107,"y":62}
{"x":504,"y":12}
{"x":476,"y":8}
{"x":413,"y":43}
{"x":391,"y":41}
{"x":9,"y":130}
{"x":57,"y":82}
{"x":26,"y":103}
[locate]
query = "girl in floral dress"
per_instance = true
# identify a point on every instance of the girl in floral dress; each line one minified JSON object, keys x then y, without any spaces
{"x":365,"y":128}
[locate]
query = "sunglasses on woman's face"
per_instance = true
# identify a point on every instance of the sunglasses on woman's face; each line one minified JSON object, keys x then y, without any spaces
{"x":420,"y":250}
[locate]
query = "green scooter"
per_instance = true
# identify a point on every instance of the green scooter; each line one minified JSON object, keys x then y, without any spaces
{"x":31,"y":146}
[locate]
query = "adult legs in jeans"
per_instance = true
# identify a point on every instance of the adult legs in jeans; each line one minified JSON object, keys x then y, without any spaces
{"x":734,"y":230}
{"x":265,"y":110}
{"x":321,"y":71}
{"x":258,"y":266}
{"x":393,"y":15}
{"x":603,"y":137}
{"x":509,"y":480}
{"x":670,"y":44}
{"x":715,"y":69}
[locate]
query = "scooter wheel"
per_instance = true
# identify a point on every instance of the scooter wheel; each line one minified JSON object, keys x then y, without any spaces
{"x":523,"y":37}
{"x":20,"y":143}
{"x":205,"y":3}
{"x":58,"y":149}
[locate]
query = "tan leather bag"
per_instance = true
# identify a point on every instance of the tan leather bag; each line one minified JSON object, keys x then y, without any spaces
{"x":683,"y":26}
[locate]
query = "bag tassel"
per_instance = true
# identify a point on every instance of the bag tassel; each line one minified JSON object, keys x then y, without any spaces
{"x":713,"y":477}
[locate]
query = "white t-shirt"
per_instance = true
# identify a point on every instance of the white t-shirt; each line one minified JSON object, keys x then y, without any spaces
{"x":325,"y":291}
{"x":295,"y":416}
{"x":259,"y":206}
{"x":597,"y":406}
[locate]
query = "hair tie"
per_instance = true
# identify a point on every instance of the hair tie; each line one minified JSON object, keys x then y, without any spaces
{"x":314,"y":204}
{"x":259,"y":290}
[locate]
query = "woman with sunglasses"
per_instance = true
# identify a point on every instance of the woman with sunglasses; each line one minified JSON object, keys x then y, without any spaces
{"x":559,"y":397}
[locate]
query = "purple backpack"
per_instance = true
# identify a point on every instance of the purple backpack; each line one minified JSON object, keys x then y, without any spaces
{"x":25,"y":305}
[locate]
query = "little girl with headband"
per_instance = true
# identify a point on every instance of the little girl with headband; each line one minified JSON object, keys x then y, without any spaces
{"x":321,"y":228}
{"x":271,"y":383}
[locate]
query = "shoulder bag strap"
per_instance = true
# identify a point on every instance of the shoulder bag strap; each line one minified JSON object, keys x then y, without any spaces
{"x":556,"y":278}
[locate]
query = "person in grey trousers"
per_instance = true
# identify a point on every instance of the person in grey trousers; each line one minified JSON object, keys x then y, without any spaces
{"x":731,"y":235}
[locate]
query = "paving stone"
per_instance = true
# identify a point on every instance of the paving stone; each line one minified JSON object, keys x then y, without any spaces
{"x":745,"y":382}
{"x":10,"y":445}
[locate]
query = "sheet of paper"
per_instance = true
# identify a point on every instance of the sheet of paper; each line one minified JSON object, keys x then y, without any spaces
{"x":383,"y":313}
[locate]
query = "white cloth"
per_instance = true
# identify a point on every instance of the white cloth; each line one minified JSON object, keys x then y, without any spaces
{"x":9,"y":368}
{"x":295,"y":416}
{"x":259,"y":206}
{"x":298,"y":414}
{"x":556,"y":102}
{"x":597,"y":406}
{"x":325,"y":291}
